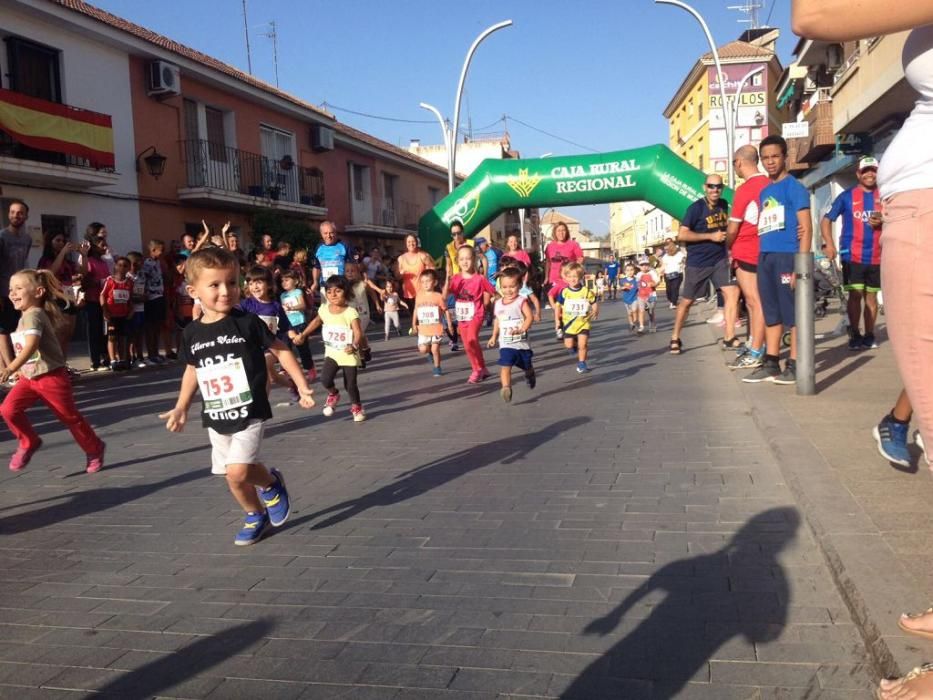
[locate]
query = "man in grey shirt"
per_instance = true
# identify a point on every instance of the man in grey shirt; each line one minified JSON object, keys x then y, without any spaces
{"x":15,"y":243}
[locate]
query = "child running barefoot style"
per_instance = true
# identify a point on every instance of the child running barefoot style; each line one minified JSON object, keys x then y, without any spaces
{"x":472,"y":292}
{"x":577,"y":308}
{"x":513,"y":318}
{"x":629,"y":286}
{"x":223,"y":351}
{"x":340,"y":325}
{"x":391,"y":301}
{"x":261,"y":301}
{"x":429,"y":309}
{"x":42,"y":373}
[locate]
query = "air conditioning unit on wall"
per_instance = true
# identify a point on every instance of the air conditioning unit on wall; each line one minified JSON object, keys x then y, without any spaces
{"x":164,"y":79}
{"x":322,"y":138}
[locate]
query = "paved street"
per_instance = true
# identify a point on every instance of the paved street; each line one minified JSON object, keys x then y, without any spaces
{"x":626,"y":534}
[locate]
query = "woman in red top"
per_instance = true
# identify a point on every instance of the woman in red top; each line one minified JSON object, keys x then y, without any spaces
{"x":472,"y":292}
{"x":93,"y":273}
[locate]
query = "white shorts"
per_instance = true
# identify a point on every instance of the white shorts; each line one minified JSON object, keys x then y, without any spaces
{"x":430,"y":339}
{"x":647,"y":304}
{"x":238,"y":448}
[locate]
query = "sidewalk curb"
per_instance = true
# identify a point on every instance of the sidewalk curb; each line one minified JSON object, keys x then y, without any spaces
{"x":871,"y":581}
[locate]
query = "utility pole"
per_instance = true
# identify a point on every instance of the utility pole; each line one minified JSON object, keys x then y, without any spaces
{"x":249,"y":54}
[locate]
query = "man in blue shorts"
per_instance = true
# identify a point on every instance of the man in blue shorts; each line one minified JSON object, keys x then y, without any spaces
{"x":612,"y":275}
{"x":784,"y":229}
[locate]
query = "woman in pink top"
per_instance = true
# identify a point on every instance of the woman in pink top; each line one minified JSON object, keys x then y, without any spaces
{"x":472,"y":292}
{"x":559,"y":251}
{"x":513,"y":248}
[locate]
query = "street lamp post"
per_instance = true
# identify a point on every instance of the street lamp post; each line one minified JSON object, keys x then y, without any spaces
{"x":452,"y":152}
{"x":450,"y":133}
{"x":738,"y":98}
{"x":446,"y":131}
{"x":722,"y":80}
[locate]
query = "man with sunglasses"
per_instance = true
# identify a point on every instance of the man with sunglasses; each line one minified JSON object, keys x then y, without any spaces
{"x":703,"y":231}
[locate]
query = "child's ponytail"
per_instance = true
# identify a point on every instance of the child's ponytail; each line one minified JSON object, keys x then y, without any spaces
{"x":53,"y":292}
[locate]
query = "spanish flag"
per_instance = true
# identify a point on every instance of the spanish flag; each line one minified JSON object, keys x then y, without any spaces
{"x":49,"y":126}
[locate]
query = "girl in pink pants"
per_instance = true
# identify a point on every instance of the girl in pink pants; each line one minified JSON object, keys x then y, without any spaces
{"x":472,"y":292}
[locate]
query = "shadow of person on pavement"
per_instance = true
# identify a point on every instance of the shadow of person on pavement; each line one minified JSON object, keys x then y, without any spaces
{"x":682,"y":632}
{"x":419,"y":480}
{"x":184,"y":664}
{"x":91,"y":501}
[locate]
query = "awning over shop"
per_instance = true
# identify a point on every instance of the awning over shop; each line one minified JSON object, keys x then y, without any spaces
{"x":60,"y":128}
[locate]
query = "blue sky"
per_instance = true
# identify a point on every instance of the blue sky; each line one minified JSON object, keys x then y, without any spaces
{"x":595,"y":73}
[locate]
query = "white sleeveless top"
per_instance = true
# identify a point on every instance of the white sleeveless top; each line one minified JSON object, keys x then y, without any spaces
{"x":907,"y":164}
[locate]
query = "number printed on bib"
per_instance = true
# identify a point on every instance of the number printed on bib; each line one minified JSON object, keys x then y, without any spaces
{"x":428,"y":315}
{"x":224,"y":385}
{"x":577,"y":307}
{"x":337,"y":337}
{"x":121,"y":296}
{"x":771,"y":219}
{"x":511,"y":331}
{"x":272,"y":322}
{"x":19,"y":341}
{"x":465,"y":311}
{"x":328,"y":271}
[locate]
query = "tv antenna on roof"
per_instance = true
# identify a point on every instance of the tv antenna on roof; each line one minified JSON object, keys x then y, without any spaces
{"x":750,"y":8}
{"x":271,"y":34}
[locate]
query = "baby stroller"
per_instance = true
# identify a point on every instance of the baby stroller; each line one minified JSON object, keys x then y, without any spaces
{"x":826,"y":286}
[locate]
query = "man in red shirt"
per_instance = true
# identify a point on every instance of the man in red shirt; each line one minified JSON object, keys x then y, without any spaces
{"x":742,"y":239}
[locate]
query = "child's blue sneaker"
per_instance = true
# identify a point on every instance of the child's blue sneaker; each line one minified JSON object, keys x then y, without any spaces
{"x":276,"y":501}
{"x":891,"y":437}
{"x":436,"y":372}
{"x":582,"y":368}
{"x":254,"y":527}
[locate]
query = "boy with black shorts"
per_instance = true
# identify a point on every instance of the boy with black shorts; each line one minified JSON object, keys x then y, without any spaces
{"x":784,"y":209}
{"x":115,"y":302}
{"x":224,"y":353}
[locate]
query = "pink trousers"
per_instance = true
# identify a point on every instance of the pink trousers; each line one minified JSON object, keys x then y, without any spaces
{"x":54,"y":390}
{"x":469,"y":335}
{"x":907,"y":283}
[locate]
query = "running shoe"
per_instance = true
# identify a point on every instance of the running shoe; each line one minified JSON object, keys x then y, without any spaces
{"x":454,"y":347}
{"x":275,"y":499}
{"x":869,"y":342}
{"x":21,"y":457}
{"x":484,"y":374}
{"x":918,"y":441}
{"x":254,"y":527}
{"x":855,"y":341}
{"x":102,"y":368}
{"x":560,"y":333}
{"x":749,"y":360}
{"x":506,"y":394}
{"x":789,"y":375}
{"x":359,"y":415}
{"x":436,"y":372}
{"x":766,"y":373}
{"x":115,"y":365}
{"x":140,"y":363}
{"x":95,"y":461}
{"x":474,"y":378}
{"x":312,"y":374}
{"x":156,"y":360}
{"x":891,"y":437}
{"x":582,"y":368}
{"x":531,"y":380}
{"x":171,"y":355}
{"x":330,"y":403}
{"x":716,"y":318}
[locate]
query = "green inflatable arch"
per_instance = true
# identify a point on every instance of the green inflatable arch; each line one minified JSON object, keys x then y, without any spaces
{"x":653,"y":174}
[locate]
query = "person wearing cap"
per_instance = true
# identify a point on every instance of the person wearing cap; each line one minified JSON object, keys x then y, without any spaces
{"x":859,"y":250}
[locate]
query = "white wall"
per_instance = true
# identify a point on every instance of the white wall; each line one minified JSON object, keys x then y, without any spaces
{"x":94,"y":76}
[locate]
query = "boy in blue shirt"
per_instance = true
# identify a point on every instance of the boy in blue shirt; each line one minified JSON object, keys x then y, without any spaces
{"x":784,"y":229}
{"x":629,"y":286}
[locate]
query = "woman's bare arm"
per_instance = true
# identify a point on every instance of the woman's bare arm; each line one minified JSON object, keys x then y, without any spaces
{"x":846,"y":20}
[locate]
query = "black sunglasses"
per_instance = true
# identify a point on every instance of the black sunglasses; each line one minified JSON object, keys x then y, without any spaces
{"x":713,"y":187}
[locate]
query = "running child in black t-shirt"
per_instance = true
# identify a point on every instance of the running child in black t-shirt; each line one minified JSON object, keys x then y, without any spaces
{"x":223,"y":351}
